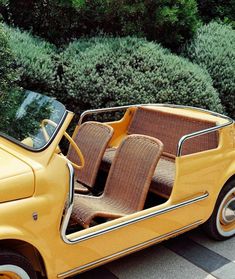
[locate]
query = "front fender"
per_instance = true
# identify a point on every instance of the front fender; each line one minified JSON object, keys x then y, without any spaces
{"x":10,"y":235}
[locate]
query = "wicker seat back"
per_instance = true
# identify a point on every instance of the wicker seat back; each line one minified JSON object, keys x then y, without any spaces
{"x":127,"y":183}
{"x":132,"y":170}
{"x":92,"y":138}
{"x":169,"y":128}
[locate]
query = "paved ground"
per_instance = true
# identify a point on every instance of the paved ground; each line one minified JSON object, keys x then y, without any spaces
{"x":192,"y":256}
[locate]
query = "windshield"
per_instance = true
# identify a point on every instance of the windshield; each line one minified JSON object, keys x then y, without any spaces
{"x":29,"y":118}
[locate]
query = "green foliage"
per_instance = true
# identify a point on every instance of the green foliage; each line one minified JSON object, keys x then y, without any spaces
{"x":213,"y":48}
{"x":74,"y":3}
{"x":4,"y":2}
{"x":217,"y":10}
{"x":169,"y":22}
{"x":54,"y":20}
{"x":105,"y":72}
{"x":8,"y":73}
{"x":22,"y":116}
{"x":35,"y":59}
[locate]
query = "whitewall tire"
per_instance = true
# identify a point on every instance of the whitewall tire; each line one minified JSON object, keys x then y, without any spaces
{"x":221,"y":224}
{"x":15,"y":266}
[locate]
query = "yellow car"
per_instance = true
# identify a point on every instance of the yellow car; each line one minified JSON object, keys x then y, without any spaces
{"x":156,"y":172}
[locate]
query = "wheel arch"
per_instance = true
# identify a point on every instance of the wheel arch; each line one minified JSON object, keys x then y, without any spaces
{"x":226,"y":179}
{"x":28,"y":251}
{"x":232,"y":177}
{"x":222,"y":183}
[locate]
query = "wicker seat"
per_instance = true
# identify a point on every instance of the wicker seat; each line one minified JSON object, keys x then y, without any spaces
{"x":92,"y":138}
{"x":163,"y":177}
{"x":127,"y":184}
{"x":169,"y":128}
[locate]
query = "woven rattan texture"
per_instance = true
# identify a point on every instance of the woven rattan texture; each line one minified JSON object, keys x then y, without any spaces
{"x":164,"y":174}
{"x":169,"y":128}
{"x":163,"y":178}
{"x":92,"y":138}
{"x":127,"y":184}
{"x":80,"y":188}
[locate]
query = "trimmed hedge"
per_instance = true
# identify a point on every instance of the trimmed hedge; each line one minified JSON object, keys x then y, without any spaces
{"x":8,"y":72}
{"x":213,"y":48}
{"x":166,"y":21}
{"x":105,"y":72}
{"x":35,"y":59}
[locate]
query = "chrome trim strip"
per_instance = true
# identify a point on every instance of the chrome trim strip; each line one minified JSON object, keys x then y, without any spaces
{"x":70,"y":204}
{"x":185,"y":137}
{"x":131,"y":249}
{"x":101,"y":110}
{"x":196,"y":134}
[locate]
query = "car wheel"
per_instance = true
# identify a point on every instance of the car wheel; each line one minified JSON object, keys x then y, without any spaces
{"x":221,"y":224}
{"x":15,"y":266}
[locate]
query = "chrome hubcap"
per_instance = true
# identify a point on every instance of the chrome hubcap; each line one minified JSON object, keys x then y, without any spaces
{"x":228,"y":212}
{"x":11,"y":271}
{"x":225,"y":220}
{"x":9,"y":275}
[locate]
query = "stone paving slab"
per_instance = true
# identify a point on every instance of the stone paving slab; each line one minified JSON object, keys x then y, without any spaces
{"x":224,"y":248}
{"x":192,"y":255}
{"x":155,"y":262}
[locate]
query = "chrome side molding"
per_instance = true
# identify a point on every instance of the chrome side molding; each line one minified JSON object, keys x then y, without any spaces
{"x":129,"y":250}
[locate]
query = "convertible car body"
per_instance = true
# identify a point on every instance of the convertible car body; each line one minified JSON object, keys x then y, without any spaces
{"x":156,"y":172}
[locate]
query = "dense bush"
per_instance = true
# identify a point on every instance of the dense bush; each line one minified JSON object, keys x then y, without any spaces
{"x":35,"y":59}
{"x":54,"y":20}
{"x":109,"y":72}
{"x":217,"y":9}
{"x":169,"y":22}
{"x":214,"y":49}
{"x":8,"y":73}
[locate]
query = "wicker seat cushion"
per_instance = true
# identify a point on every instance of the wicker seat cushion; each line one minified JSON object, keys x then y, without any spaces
{"x":163,"y":178}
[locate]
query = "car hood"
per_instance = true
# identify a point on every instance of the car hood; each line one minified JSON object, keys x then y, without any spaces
{"x":16,"y":178}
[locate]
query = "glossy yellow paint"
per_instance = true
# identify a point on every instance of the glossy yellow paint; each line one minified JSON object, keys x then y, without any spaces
{"x":41,"y":183}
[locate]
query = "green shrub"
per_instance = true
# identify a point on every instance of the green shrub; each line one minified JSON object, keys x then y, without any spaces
{"x":35,"y":59}
{"x":105,"y":72}
{"x":169,"y":22}
{"x":8,"y":73}
{"x":217,"y":10}
{"x":3,"y":5}
{"x":213,"y":48}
